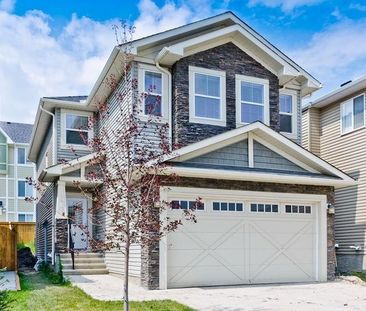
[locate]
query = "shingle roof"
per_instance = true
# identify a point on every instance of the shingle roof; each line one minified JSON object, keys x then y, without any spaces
{"x":18,"y":132}
{"x":70,"y":98}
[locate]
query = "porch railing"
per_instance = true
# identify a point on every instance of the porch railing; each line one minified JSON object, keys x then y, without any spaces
{"x":71,"y":246}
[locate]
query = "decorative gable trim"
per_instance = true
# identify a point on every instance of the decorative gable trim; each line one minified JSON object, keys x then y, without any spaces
{"x":272,"y":140}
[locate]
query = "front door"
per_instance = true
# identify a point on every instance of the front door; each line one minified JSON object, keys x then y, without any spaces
{"x":78,"y":215}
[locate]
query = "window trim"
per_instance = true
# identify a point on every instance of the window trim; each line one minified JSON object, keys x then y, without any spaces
{"x":25,"y":215}
{"x":188,"y":200}
{"x":25,"y":189}
{"x":64,"y":113}
{"x":6,"y":154}
{"x":298,"y":205}
{"x":238,"y":80}
{"x":227,"y":202}
{"x":341,"y":113}
{"x":295,"y":116}
{"x":192,"y":70}
{"x":264,"y":211}
{"x":142,"y":68}
{"x":25,"y":156}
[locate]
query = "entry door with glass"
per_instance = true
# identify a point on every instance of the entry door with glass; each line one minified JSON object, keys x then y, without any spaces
{"x":78,"y":216}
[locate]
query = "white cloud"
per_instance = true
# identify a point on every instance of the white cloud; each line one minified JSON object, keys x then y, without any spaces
{"x":336,"y":54}
{"x":7,"y":5}
{"x":34,"y":62}
{"x":286,"y":5}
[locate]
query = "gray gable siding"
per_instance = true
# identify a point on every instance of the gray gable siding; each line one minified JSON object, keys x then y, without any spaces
{"x":65,"y":153}
{"x":233,"y":155}
{"x":236,"y":155}
{"x":268,"y":159}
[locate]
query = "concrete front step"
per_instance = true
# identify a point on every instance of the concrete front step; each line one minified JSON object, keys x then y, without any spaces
{"x":82,"y":255}
{"x":84,"y":271}
{"x":84,"y":266}
{"x":85,"y":263}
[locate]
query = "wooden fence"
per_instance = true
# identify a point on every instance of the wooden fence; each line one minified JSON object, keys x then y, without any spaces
{"x":12,"y":233}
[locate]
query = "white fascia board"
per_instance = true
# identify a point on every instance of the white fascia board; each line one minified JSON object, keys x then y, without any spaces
{"x":340,"y":93}
{"x":258,"y":177}
{"x":8,"y":139}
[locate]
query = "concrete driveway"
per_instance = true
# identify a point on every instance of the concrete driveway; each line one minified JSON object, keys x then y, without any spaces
{"x":344,"y":294}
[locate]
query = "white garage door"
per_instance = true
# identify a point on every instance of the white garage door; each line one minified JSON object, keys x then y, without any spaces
{"x":244,"y":241}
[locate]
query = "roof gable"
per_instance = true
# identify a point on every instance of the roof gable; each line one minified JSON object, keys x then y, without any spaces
{"x":267,"y":152}
{"x":17,"y":132}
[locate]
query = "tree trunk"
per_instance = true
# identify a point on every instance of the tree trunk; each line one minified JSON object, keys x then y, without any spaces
{"x":126,"y":304}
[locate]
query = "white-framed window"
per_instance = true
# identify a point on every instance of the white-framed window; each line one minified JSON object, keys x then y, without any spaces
{"x":25,"y":217}
{"x":207,"y":96}
{"x":21,"y":156}
{"x":153,"y":91}
{"x":297,"y":209}
{"x":2,"y":205}
{"x":353,"y":114}
{"x":288,"y":113}
{"x":252,"y":99}
{"x":263,"y":208}
{"x":75,"y":131}
{"x":24,"y":189}
{"x":187,"y":204}
{"x":228,"y":206}
{"x":3,"y":152}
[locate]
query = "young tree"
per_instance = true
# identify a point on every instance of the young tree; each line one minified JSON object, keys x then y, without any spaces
{"x":128,"y":168}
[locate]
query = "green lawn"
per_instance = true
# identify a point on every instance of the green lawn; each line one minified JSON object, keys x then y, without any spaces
{"x":40,"y":294}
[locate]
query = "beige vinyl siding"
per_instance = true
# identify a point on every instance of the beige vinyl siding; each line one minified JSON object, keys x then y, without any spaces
{"x":115,"y":261}
{"x":305,"y":129}
{"x":346,"y":152}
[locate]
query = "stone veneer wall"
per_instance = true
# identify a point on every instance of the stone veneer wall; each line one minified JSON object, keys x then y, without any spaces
{"x":229,"y":58}
{"x":150,"y":255}
{"x":61,"y":236}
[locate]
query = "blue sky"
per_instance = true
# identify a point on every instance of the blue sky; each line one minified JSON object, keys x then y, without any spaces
{"x":51,"y":48}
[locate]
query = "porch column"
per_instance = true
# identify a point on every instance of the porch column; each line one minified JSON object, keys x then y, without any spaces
{"x":61,"y":219}
{"x":61,"y":209}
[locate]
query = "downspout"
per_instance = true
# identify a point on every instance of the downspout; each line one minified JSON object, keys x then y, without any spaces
{"x":161,"y":54}
{"x":54,"y":158}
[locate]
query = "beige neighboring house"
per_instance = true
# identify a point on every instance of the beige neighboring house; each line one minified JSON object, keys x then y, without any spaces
{"x":14,"y":169}
{"x":334,"y":129}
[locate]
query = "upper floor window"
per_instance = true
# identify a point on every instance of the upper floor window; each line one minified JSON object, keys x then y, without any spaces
{"x":353,"y":114}
{"x":24,"y":189}
{"x":21,"y":156}
{"x":153,"y":89}
{"x":252,"y":100}
{"x":75,"y":129}
{"x":207,"y":98}
{"x":288,"y":113}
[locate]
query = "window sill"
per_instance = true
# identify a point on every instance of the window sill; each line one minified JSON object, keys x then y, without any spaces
{"x":75,"y":147}
{"x":353,"y":131}
{"x":290,"y":135}
{"x":199,"y":120}
{"x":152,"y":119}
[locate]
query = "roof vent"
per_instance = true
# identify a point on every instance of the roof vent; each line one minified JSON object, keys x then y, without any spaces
{"x":8,"y":122}
{"x":345,"y":83}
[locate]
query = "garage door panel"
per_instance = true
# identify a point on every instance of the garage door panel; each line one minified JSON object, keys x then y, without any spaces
{"x":244,"y":248}
{"x":208,"y":276}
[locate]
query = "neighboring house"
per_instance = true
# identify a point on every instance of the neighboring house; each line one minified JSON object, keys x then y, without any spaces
{"x":14,"y":169}
{"x":233,"y":102}
{"x":334,"y":129}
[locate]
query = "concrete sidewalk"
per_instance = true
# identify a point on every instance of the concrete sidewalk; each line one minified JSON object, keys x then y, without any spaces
{"x":8,"y":281}
{"x":346,"y":294}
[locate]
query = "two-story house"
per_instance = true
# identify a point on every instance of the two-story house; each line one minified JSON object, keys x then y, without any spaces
{"x":334,"y":129}
{"x":15,"y":168}
{"x":233,"y":103}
